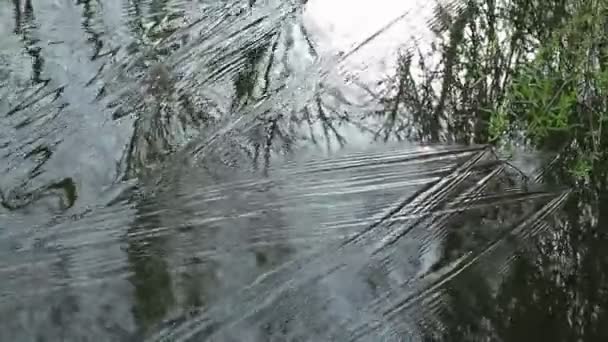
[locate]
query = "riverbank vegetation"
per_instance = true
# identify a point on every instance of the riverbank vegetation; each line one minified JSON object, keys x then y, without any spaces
{"x":517,"y":73}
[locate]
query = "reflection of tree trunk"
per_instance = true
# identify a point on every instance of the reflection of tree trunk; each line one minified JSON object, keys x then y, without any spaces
{"x":450,"y":60}
{"x":88,"y":13}
{"x":24,"y":24}
{"x":150,"y":274}
{"x":17,"y":10}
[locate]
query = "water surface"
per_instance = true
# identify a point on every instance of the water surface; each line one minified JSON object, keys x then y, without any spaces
{"x":255,"y":171}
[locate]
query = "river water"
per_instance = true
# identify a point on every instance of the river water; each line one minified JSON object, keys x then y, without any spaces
{"x":212,"y":170}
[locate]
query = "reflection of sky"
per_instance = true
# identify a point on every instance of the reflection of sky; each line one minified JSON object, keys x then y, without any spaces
{"x":338,"y":26}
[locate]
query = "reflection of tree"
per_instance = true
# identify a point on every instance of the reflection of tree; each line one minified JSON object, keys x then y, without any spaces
{"x":24,"y":24}
{"x":523,"y":71}
{"x":558,"y":297}
{"x":493,"y":231}
{"x":95,"y":37}
{"x":150,"y":274}
{"x":200,"y":240}
{"x":259,"y":65}
{"x":462,"y":96}
{"x":282,"y":127}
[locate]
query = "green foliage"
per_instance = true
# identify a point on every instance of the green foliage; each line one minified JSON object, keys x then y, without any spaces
{"x":558,"y":98}
{"x":543,"y":102}
{"x":513,"y":72}
{"x":582,"y":167}
{"x":499,"y":124}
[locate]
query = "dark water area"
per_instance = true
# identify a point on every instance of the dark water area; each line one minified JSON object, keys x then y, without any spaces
{"x":210,"y":170}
